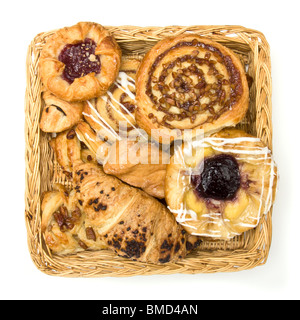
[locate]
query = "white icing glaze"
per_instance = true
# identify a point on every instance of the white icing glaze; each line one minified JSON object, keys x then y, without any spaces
{"x":107,"y":127}
{"x":184,"y":215}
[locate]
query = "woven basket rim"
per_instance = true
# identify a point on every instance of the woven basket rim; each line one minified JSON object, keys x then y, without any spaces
{"x":254,"y":44}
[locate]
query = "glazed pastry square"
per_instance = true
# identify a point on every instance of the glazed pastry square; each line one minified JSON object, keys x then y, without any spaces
{"x":222,"y":185}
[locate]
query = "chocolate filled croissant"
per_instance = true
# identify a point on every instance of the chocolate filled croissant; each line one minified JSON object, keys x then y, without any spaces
{"x":130,"y":222}
{"x":59,"y":115}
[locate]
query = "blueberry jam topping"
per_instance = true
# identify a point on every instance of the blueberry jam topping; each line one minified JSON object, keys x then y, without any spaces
{"x":79,"y":60}
{"x":219,"y":179}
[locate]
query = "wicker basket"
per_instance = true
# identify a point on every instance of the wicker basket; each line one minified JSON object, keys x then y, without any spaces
{"x":249,"y":250}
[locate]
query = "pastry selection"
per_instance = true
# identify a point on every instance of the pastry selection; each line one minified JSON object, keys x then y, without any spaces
{"x":80,"y":62}
{"x":222,"y":186}
{"x":189,"y":82}
{"x":149,"y":146}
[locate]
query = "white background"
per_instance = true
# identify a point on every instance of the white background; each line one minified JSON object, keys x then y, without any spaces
{"x":279,"y":278}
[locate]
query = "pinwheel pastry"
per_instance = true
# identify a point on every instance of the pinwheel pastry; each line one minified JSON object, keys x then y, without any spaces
{"x":189,"y":82}
{"x":59,"y":115}
{"x":139,"y":227}
{"x":80,"y":62}
{"x":222,"y":185}
{"x":114,"y":112}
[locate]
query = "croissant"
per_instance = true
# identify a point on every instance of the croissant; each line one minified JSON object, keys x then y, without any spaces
{"x":132,"y":223}
{"x":59,"y":115}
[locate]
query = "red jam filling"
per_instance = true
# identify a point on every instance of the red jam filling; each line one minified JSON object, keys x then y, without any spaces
{"x":79,"y":60}
{"x":219,"y":179}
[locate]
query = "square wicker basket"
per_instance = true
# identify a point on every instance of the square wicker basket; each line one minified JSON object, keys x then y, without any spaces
{"x":249,"y":250}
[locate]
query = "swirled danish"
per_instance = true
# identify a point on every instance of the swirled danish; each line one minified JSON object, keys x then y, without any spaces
{"x":221,"y":186}
{"x":189,"y":82}
{"x":114,"y":112}
{"x":80,"y":62}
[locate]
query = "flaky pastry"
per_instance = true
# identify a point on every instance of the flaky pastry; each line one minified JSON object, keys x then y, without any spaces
{"x":132,"y":223}
{"x":67,"y":150}
{"x":141,"y":164}
{"x":64,"y":225}
{"x":59,"y":115}
{"x":189,"y":82}
{"x":221,"y":186}
{"x":80,"y":62}
{"x":114,"y":112}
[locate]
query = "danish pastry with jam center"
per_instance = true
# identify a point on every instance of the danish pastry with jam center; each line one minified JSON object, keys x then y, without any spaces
{"x":80,"y":62}
{"x":222,"y":187}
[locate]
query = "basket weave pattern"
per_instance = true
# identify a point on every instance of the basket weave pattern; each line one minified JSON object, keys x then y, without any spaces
{"x":244,"y":252}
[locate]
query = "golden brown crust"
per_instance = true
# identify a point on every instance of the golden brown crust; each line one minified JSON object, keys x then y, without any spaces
{"x":140,"y":164}
{"x":91,"y":85}
{"x":190,"y":82}
{"x":64,"y":225}
{"x":92,"y":141}
{"x":67,"y":149}
{"x":222,"y":219}
{"x":114,"y":112}
{"x":59,"y":115}
{"x":131,"y":222}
